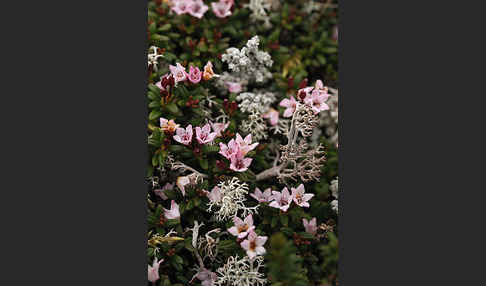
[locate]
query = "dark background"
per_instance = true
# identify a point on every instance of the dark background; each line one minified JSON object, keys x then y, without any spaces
{"x":73,"y":118}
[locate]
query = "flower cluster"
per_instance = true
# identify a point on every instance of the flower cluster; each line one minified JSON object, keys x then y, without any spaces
{"x":229,"y":197}
{"x":249,"y":63}
{"x":203,"y":135}
{"x":236,"y":150}
{"x":254,"y":243}
{"x":282,"y":200}
{"x":194,"y":76}
{"x":197,"y":8}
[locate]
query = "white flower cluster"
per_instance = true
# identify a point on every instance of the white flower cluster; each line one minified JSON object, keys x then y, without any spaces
{"x":334,"y":189}
{"x":259,"y":10}
{"x":241,"y":272}
{"x":233,"y":196}
{"x":153,"y":57}
{"x":249,"y":63}
{"x":255,"y":102}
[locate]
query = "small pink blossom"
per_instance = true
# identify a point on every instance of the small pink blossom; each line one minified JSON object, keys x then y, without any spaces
{"x":153,"y":271}
{"x":219,"y":127}
{"x":229,"y":150}
{"x":222,"y":9}
{"x":168,"y":125}
{"x":317,"y":101}
{"x":182,"y":182}
{"x":290,"y":105}
{"x":272,"y":115}
{"x":281,"y":200}
{"x":204,"y":135}
{"x":178,"y":72}
{"x":239,"y":163}
{"x":254,"y":245}
{"x":184,"y":136}
{"x":242,"y":228}
{"x":194,"y":74}
{"x":233,"y":87}
{"x":264,"y":197}
{"x":207,"y":277}
{"x":197,"y":8}
{"x":245,"y":144}
{"x":208,"y":72}
{"x":181,"y":6}
{"x":161,"y":192}
{"x":310,"y":226}
{"x":215,"y":194}
{"x":173,"y":213}
{"x":299,"y":197}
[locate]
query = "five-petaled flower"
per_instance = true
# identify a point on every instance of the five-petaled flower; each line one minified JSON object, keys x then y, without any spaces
{"x":281,"y":200}
{"x":219,"y":127}
{"x":229,"y":150}
{"x":245,"y":144}
{"x":197,"y":8}
{"x":173,"y":213}
{"x":310,"y":226}
{"x":317,"y":100}
{"x":242,"y":227}
{"x":181,"y":6}
{"x":290,"y":105}
{"x":254,"y":245}
{"x":194,"y":74}
{"x":264,"y":197}
{"x":178,"y":72}
{"x":168,"y":125}
{"x":153,"y":271}
{"x":184,"y":136}
{"x":299,"y":197}
{"x":204,"y":135}
{"x":238,"y":162}
{"x":222,"y":9}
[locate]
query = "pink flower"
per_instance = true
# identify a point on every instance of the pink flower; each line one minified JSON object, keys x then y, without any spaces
{"x":219,"y":127}
{"x":208,"y":72}
{"x":160,"y":192}
{"x":184,"y":136}
{"x":222,"y":9}
{"x":229,"y":150}
{"x":310,"y":226}
{"x":290,"y":105}
{"x":281,"y":200}
{"x":215,"y":194}
{"x":233,"y":87}
{"x":239,"y":163}
{"x":153,"y":271}
{"x":197,"y":8}
{"x":159,"y":83}
{"x":254,"y":245}
{"x":168,"y":125}
{"x":264,"y":197}
{"x":272,"y":114}
{"x":194,"y":74}
{"x":207,"y":277}
{"x":204,"y":135}
{"x":178,"y":72}
{"x":299,"y":197}
{"x":245,"y":144}
{"x":173,"y":213}
{"x":181,"y":6}
{"x":242,"y":228}
{"x":317,"y":101}
{"x":182,"y":182}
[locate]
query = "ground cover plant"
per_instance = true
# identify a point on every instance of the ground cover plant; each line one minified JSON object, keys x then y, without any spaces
{"x":242,"y":133}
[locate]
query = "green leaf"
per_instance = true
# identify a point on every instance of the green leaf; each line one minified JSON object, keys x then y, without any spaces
{"x":284,"y":220}
{"x":154,"y":114}
{"x":172,"y":108}
{"x":164,"y":28}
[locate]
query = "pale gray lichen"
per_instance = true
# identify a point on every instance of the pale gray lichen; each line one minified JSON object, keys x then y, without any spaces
{"x":241,"y":272}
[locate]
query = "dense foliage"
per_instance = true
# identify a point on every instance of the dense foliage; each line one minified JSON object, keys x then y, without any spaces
{"x":202,"y":173}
